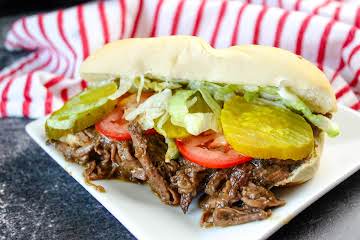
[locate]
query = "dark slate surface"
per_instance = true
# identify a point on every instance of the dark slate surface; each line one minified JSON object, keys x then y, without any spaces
{"x":39,"y":200}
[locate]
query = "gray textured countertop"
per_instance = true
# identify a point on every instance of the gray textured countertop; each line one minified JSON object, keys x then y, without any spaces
{"x":39,"y":200}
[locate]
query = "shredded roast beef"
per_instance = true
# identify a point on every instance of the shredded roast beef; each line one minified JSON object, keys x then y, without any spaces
{"x":231,"y":196}
{"x":268,"y":172}
{"x":259,"y":197}
{"x":156,"y":181}
{"x":223,"y":188}
{"x":223,"y":217}
{"x":189,"y":181}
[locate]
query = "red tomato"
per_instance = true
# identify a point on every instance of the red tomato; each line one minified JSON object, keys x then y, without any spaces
{"x":210,"y":150}
{"x":114,"y":125}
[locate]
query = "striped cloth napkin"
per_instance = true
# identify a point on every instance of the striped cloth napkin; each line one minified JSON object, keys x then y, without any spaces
{"x":325,"y":32}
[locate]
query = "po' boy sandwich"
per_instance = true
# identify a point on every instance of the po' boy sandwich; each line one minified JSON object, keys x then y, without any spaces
{"x":228,"y":125}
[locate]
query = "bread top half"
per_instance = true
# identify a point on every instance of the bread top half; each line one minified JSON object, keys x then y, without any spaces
{"x":189,"y":58}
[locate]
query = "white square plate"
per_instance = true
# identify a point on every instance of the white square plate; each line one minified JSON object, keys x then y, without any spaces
{"x":142,"y":213}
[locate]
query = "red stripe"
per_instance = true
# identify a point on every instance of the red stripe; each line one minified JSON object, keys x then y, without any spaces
{"x":45,"y":36}
{"x":123,"y":18}
{"x":64,"y":94}
{"x":357,"y":17}
{"x":337,"y":12}
{"x":234,"y":39}
{"x":199,"y":15}
{"x":297,"y":5}
{"x":53,"y":81}
{"x":323,"y":43}
{"x":325,"y":3}
{"x":349,"y":38}
{"x":137,"y":19}
{"x":177,"y":16}
{"x":26,"y":30}
{"x":40,"y":19}
{"x":342,"y":91}
{"x":301,"y":33}
{"x":156,"y":17}
{"x":280,"y":4}
{"x":60,"y":26}
{"x":48,"y":102}
{"x":57,"y":66}
{"x":355,"y":80}
{"x":21,"y":40}
{"x":67,"y":67}
{"x":103,"y":21}
{"x":352,"y":53}
{"x":27,"y":89}
{"x":279,"y":28}
{"x":4,"y":98}
{"x":218,"y":23}
{"x":356,"y":106}
{"x":17,"y":36}
{"x":20,"y":67}
{"x":27,"y":97}
{"x":83,"y":84}
{"x":258,"y":25}
{"x":338,"y":70}
{"x":43,"y":66}
{"x":82,"y":31}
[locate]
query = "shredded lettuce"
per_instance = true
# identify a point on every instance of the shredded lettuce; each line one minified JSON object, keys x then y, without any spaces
{"x":160,"y":123}
{"x":140,"y":88}
{"x":219,"y":92}
{"x":154,"y":85}
{"x":213,"y":105}
{"x":172,"y":152}
{"x":197,"y":123}
{"x":295,"y":103}
{"x":270,"y":93}
{"x":154,"y":107}
{"x":276,"y":103}
{"x":324,"y":123}
{"x":251,"y":95}
{"x":194,"y":123}
{"x":178,"y":106}
{"x":124,"y":86}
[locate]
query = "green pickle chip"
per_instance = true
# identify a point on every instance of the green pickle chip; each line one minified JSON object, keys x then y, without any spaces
{"x":81,"y":111}
{"x":264,"y":131}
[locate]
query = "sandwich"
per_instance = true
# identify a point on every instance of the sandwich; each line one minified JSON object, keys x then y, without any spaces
{"x":225,"y":125}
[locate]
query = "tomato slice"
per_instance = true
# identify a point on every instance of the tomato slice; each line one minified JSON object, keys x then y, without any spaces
{"x":114,"y":125}
{"x":210,"y":150}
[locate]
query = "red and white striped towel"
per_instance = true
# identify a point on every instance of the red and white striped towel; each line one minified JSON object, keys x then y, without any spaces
{"x":325,"y":32}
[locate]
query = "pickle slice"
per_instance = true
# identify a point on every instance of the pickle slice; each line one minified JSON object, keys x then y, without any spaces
{"x":81,"y":111}
{"x":263,"y":131}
